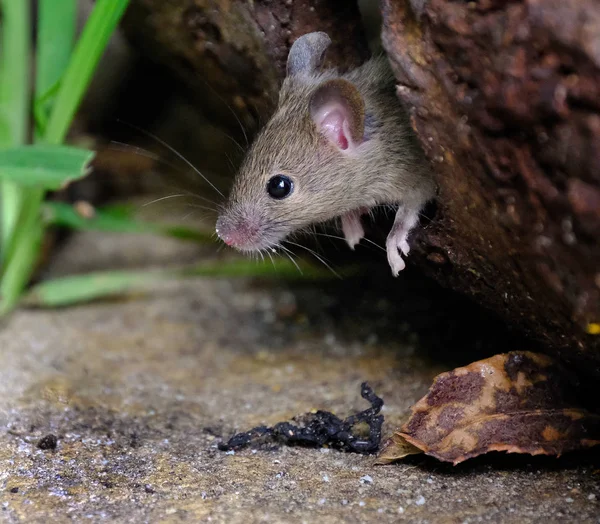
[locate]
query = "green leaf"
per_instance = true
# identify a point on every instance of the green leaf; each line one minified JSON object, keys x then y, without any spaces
{"x":70,"y":290}
{"x":55,"y":40}
{"x":89,"y":49}
{"x":14,"y":72}
{"x":115,"y":220}
{"x":14,"y":101}
{"x":20,"y":266}
{"x":44,"y":166}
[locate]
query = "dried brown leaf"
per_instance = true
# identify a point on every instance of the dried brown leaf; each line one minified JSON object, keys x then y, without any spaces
{"x":519,"y":402}
{"x":396,"y":448}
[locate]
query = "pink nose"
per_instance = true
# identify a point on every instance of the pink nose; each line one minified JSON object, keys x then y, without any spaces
{"x":228,"y":240}
{"x":233,"y":234}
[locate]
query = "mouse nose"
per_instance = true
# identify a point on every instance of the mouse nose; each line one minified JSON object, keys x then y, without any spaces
{"x":223,"y":231}
{"x":235,"y":233}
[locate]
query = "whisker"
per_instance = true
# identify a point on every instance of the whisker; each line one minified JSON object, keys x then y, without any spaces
{"x":233,"y":140}
{"x":163,"y":198}
{"x":289,"y":254}
{"x":272,"y":261}
{"x":342,"y":238}
{"x":313,"y":253}
{"x":126,"y":148}
{"x":207,"y":208}
{"x":174,"y":151}
{"x":231,"y":110}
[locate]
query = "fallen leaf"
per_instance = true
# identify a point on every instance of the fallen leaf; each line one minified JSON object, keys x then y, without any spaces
{"x":519,"y":402}
{"x":396,"y":448}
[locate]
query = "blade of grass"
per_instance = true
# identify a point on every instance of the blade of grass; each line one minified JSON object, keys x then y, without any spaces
{"x":18,"y":272}
{"x":55,"y":39}
{"x":14,"y":72}
{"x":44,"y":166}
{"x":91,"y":45}
{"x":14,"y":100}
{"x":98,"y":29}
{"x":76,"y":289}
{"x":64,"y":215}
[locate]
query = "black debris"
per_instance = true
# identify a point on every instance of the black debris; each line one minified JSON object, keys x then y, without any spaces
{"x":48,"y":442}
{"x":320,"y":429}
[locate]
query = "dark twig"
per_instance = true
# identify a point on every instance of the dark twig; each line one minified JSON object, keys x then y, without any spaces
{"x":320,"y":429}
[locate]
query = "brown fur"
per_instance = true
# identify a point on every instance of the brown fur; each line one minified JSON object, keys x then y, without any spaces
{"x":387,"y":168}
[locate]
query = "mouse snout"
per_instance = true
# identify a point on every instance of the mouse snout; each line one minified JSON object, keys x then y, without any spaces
{"x":237,"y":232}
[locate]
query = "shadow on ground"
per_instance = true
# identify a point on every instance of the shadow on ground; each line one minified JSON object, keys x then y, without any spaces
{"x":139,"y":392}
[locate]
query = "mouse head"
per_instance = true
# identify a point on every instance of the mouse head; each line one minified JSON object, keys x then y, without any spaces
{"x":299,"y":169}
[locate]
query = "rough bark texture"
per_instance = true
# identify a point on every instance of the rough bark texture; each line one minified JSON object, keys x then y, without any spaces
{"x":232,"y":53}
{"x":505,"y":99}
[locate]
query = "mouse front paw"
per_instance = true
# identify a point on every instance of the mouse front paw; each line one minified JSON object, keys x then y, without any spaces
{"x":397,"y":240}
{"x":352,"y":228}
{"x":393,"y":247}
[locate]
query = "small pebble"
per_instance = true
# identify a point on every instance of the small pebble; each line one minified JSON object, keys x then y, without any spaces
{"x":591,"y":496}
{"x":420,"y":501}
{"x":400,"y":510}
{"x":322,"y":501}
{"x":367,"y":479}
{"x":232,"y":452}
{"x":361,"y":503}
{"x":325,"y":478}
{"x":569,"y":500}
{"x":48,"y":442}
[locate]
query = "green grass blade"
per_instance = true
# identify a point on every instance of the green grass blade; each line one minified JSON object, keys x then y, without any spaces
{"x":97,"y":31}
{"x":64,"y":215}
{"x":55,"y":40}
{"x":14,"y":100}
{"x":14,"y":72}
{"x":21,"y":266}
{"x":75,"y":289}
{"x":70,"y":290}
{"x":44,"y":166}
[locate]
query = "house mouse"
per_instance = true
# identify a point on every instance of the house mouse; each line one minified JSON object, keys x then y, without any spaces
{"x":337,"y":145}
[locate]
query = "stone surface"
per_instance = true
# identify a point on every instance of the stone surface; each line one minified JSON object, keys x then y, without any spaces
{"x":138,"y":393}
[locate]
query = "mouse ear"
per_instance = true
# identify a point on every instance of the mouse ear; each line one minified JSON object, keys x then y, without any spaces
{"x":338,"y":110}
{"x":307,"y":52}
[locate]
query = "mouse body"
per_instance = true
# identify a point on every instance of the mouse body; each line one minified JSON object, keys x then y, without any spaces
{"x":337,"y":146}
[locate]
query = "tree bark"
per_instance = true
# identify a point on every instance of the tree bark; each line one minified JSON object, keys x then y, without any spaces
{"x":232,"y":54}
{"x":505,"y":99}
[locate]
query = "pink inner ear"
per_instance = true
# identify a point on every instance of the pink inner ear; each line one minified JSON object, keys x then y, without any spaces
{"x":332,"y":123}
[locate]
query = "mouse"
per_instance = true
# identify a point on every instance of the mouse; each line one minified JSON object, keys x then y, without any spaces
{"x":337,"y":146}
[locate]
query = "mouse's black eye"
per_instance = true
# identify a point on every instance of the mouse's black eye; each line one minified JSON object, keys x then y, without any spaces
{"x":280,"y":186}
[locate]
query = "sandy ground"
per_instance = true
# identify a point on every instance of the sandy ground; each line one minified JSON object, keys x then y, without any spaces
{"x":139,"y":392}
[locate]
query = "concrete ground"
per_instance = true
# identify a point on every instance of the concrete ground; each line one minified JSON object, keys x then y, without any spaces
{"x":139,"y":392}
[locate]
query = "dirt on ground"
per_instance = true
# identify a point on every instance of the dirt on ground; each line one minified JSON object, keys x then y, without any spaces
{"x":113,"y":411}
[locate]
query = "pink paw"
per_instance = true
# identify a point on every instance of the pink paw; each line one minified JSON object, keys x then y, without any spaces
{"x":397,"y":241}
{"x":394,"y":246}
{"x":352,"y":228}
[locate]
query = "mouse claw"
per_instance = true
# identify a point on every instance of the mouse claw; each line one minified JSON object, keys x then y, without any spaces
{"x":397,"y":241}
{"x":395,"y":259}
{"x":352,"y":228}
